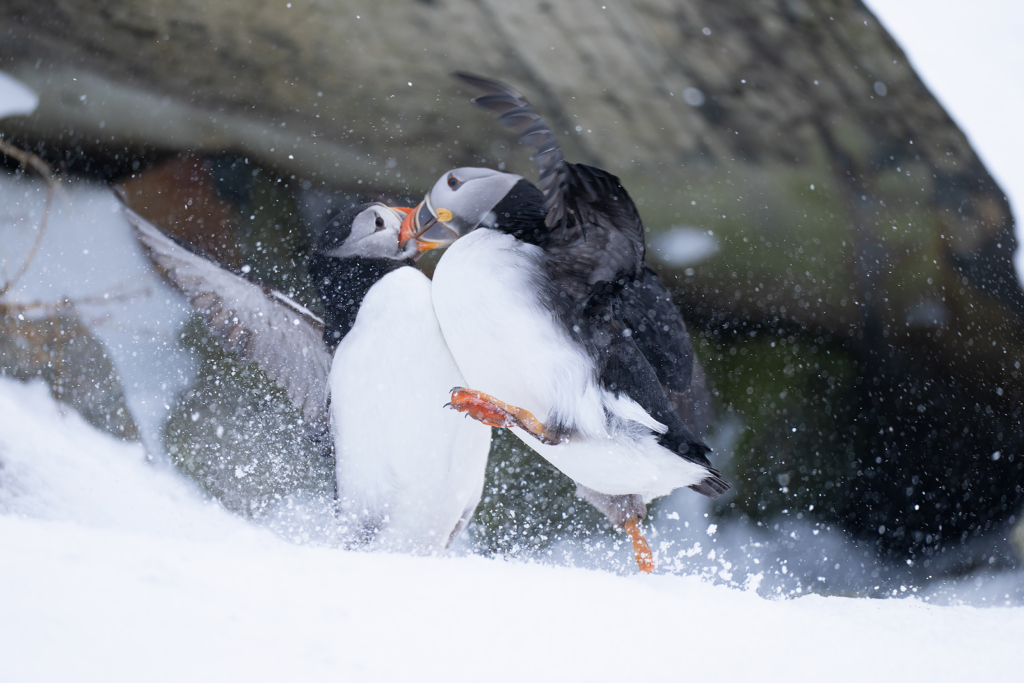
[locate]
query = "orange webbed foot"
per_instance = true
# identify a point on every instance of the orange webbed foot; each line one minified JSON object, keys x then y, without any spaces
{"x":489,"y":410}
{"x":480,"y":407}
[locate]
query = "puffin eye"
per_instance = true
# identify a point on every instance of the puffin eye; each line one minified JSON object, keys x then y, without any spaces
{"x":453,"y":182}
{"x":379,"y":222}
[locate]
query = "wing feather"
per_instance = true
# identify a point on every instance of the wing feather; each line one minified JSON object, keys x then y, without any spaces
{"x":516,"y":113}
{"x":583,"y":203}
{"x":252,"y":321}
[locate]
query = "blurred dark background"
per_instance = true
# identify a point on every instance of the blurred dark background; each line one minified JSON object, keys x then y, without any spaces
{"x":840,"y":253}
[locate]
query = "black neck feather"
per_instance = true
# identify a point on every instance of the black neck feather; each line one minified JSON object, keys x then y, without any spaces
{"x":521,"y":214}
{"x":343,"y":283}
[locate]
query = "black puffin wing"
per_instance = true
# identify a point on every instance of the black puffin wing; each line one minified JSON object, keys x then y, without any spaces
{"x":253,"y":321}
{"x":658,"y":329}
{"x":646,"y":308}
{"x":582,"y":202}
{"x":609,"y":223}
{"x":623,"y":368}
{"x":516,"y":113}
{"x":627,"y":370}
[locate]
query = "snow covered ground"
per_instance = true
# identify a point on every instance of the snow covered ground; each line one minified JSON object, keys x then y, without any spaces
{"x":116,"y":569}
{"x":971,"y":56}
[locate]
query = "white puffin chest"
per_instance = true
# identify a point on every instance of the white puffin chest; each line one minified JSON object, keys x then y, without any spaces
{"x":489,"y":300}
{"x":404,"y":461}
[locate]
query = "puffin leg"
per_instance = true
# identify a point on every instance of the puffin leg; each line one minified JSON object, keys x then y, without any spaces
{"x":489,"y":410}
{"x":644,"y":558}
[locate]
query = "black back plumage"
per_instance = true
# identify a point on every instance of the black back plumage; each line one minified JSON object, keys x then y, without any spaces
{"x":521,"y":212}
{"x":343,"y":282}
{"x":660,"y":333}
{"x":606,"y":296}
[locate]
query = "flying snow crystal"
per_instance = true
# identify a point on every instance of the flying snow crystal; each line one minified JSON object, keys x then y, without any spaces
{"x":693,"y":96}
{"x":683,"y":246}
{"x":880,"y":89}
{"x":16,"y":99}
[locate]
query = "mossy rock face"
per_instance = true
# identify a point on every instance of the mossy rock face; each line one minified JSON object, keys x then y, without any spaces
{"x":926,"y":427}
{"x":788,"y":395}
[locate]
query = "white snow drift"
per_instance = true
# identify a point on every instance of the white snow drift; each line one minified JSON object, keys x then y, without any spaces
{"x":114,"y":569}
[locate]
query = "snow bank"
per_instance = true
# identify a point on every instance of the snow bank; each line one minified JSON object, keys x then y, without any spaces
{"x":90,"y":255}
{"x":56,"y":467}
{"x":122,"y":606}
{"x":118,"y":570}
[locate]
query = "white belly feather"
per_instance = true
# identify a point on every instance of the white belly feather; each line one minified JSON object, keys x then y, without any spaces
{"x":406,"y":465}
{"x":507,"y":343}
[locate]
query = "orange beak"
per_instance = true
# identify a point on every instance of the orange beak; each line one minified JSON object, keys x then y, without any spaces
{"x":428,"y":226}
{"x":408,"y":230}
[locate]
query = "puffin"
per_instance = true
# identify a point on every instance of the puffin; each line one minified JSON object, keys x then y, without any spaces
{"x":562,"y":332}
{"x":369,"y":378}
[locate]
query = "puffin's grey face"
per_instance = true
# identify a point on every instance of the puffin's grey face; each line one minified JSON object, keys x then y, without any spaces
{"x":460,"y":201}
{"x":373,"y":233}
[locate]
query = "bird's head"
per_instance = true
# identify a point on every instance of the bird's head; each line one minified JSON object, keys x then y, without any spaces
{"x":370,"y":230}
{"x":460,"y":201}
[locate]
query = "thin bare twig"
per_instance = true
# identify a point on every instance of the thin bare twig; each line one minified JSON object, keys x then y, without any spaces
{"x":94,"y":300}
{"x":28,"y":159}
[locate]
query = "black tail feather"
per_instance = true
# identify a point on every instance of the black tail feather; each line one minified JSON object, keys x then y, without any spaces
{"x":713,"y":485}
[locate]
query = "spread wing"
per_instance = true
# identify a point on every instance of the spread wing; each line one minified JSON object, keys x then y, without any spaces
{"x":253,"y":321}
{"x":516,"y":113}
{"x":597,"y":235}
